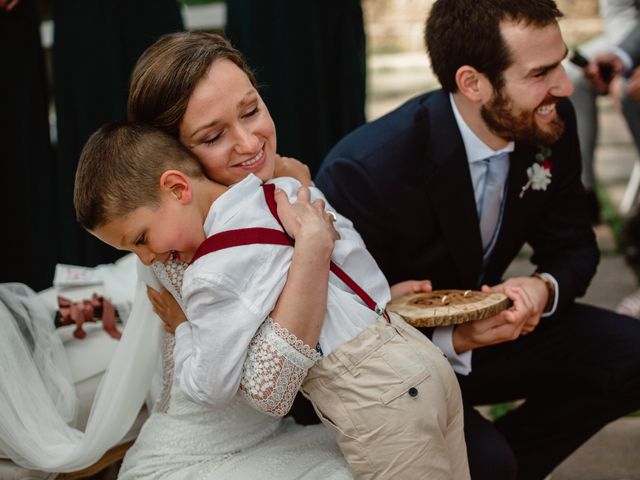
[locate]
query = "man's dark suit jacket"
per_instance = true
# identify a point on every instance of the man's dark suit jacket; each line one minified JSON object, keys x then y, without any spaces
{"x":404,"y":181}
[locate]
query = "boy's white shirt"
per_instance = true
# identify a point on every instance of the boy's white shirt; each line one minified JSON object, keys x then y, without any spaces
{"x":228,"y":294}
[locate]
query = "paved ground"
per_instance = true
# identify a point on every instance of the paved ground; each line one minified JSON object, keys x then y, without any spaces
{"x":614,"y":453}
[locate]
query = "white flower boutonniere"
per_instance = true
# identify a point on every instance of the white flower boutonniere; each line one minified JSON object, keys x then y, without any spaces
{"x":539,"y":173}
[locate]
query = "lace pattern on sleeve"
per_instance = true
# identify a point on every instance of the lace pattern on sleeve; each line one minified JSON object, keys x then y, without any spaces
{"x":170,"y":276}
{"x":168,"y":343}
{"x":276,"y":364}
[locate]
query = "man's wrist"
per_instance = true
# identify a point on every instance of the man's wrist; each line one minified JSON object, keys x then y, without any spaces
{"x":551,"y":290}
{"x":443,"y":338}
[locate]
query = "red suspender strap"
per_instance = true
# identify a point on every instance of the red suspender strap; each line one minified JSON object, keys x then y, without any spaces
{"x":269,"y":190}
{"x":249,"y":236}
{"x":242,"y":236}
{"x":354,"y":286}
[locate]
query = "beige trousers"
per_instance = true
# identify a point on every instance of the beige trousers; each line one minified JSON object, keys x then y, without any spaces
{"x":394,"y":403}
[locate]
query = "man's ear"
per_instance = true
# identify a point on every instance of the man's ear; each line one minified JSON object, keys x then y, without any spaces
{"x":470,"y":83}
{"x":177,"y":184}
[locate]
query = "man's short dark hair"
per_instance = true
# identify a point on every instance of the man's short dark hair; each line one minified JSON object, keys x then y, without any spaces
{"x":467,"y":32}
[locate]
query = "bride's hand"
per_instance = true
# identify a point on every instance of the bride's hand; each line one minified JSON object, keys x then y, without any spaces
{"x":306,"y":221}
{"x":167,"y":308}
{"x":290,"y":167}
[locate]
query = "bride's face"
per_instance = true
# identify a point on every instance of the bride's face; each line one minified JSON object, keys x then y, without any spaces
{"x":228,"y":127}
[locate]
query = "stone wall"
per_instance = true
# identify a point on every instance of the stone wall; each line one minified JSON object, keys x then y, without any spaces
{"x":397,"y":25}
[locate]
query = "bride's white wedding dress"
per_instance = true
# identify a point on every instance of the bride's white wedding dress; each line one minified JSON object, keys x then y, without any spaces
{"x":182,"y":439}
{"x":236,"y":442}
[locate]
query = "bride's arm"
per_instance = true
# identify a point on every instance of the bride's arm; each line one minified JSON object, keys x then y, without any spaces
{"x":286,"y":341}
{"x":302,"y":304}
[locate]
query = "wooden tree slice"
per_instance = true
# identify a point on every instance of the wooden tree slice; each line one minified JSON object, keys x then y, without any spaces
{"x":448,"y":307}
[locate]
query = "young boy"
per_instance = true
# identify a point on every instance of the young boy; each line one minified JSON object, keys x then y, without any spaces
{"x":388,"y":394}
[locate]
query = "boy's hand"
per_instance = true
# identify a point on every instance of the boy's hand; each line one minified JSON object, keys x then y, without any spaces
{"x":410,"y":286}
{"x":290,"y":167}
{"x":167,"y":308}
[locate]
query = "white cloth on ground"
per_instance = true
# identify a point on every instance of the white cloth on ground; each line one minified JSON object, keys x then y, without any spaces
{"x":38,"y":437}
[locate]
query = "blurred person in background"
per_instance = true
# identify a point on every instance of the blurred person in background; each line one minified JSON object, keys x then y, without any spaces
{"x":624,"y":62}
{"x":618,"y":19}
{"x":28,"y":240}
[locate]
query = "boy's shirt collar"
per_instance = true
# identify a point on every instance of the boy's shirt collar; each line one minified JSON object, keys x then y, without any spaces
{"x":228,"y":204}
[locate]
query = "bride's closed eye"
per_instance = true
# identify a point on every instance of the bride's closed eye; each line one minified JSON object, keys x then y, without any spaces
{"x":212,"y":139}
{"x":252,"y":112}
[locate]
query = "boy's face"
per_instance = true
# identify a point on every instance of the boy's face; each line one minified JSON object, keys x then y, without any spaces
{"x":228,"y":127}
{"x":155,"y":234}
{"x":525,"y":108}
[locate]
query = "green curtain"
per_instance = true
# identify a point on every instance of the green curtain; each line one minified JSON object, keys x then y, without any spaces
{"x":96,"y":45}
{"x":309,"y":59}
{"x":28,"y":218}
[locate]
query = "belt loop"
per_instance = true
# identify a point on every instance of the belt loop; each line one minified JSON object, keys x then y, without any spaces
{"x":383,"y":312}
{"x":346,"y":361}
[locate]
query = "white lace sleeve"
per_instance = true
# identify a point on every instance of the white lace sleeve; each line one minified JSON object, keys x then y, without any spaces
{"x":276,"y":364}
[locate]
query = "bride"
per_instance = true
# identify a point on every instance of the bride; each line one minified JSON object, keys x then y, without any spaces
{"x":170,"y":89}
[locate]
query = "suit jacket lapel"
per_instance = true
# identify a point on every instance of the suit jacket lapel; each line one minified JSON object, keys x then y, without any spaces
{"x":448,"y":185}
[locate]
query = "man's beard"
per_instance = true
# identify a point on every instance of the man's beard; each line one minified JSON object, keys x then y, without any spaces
{"x":519,"y":126}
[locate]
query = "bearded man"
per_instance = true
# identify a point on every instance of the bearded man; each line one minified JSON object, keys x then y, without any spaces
{"x":451,"y":185}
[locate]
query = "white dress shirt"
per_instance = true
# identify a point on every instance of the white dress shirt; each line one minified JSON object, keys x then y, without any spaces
{"x":229,"y":293}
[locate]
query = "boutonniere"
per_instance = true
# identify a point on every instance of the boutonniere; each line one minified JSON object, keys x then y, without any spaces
{"x":539,"y":172}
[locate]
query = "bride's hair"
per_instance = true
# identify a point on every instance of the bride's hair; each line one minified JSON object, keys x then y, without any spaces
{"x":167,"y":72}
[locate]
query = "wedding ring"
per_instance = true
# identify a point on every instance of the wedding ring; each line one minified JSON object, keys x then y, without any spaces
{"x":334,"y":217}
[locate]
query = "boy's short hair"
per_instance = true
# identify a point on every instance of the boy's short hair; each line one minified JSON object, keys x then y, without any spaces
{"x":120,"y":168}
{"x":467,"y":32}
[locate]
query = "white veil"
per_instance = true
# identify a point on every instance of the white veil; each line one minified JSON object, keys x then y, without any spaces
{"x":34,"y":430}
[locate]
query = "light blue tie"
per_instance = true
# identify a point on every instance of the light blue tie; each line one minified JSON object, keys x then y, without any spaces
{"x":497,"y":168}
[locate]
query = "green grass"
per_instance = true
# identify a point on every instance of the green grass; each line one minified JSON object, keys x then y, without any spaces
{"x":616,"y":222}
{"x":499,"y":409}
{"x":609,"y":214}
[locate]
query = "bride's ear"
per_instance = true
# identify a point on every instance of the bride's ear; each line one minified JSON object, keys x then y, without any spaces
{"x":178,"y":185}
